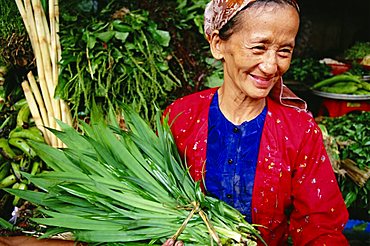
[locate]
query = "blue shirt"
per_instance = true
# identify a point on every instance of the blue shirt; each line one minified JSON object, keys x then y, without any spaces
{"x":232,"y":153}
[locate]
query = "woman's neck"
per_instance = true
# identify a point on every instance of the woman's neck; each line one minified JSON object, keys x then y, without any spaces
{"x":239,"y":108}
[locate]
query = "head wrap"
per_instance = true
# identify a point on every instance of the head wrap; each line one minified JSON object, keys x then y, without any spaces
{"x":219,"y":12}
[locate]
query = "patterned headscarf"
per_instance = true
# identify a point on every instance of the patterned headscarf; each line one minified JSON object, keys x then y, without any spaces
{"x":219,"y":12}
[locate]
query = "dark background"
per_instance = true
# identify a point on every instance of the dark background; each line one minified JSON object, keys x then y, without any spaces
{"x":329,"y":27}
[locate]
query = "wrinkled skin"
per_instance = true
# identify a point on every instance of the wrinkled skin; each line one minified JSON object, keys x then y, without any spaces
{"x":254,"y":58}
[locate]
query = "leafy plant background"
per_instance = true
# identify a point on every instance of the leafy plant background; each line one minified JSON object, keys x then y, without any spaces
{"x":144,"y":53}
{"x":139,"y":53}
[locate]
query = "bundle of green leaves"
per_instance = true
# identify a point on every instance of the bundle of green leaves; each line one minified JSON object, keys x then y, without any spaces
{"x":122,"y":58}
{"x":114,"y":185}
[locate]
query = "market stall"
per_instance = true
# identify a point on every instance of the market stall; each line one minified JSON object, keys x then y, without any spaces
{"x":77,"y":86}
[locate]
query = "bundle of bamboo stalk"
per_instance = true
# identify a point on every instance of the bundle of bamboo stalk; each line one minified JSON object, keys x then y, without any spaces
{"x":39,"y":92}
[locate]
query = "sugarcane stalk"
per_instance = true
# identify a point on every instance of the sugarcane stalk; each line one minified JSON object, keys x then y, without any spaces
{"x":22,"y":11}
{"x":34,"y":109}
{"x":46,"y":46}
{"x":53,"y":41}
{"x":56,"y":14}
{"x":41,"y":106}
{"x":66,"y":113}
{"x":39,"y":99}
{"x":46,"y":26}
{"x":41,"y":32}
{"x":54,"y":60}
{"x":39,"y":61}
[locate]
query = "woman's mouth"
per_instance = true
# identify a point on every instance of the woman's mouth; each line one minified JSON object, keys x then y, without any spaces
{"x":262,"y":82}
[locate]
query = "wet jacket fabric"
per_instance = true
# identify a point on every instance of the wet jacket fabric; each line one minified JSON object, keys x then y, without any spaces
{"x":294,"y":179}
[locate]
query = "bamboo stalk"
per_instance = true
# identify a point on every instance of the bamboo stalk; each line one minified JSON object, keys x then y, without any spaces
{"x":59,"y":48}
{"x":54,"y":59}
{"x":66,"y":113}
{"x":53,"y":42}
{"x":22,"y":11}
{"x":40,"y":65}
{"x":47,"y":50}
{"x":41,"y":32}
{"x":39,"y":100}
{"x":45,"y":25}
{"x":34,"y":109}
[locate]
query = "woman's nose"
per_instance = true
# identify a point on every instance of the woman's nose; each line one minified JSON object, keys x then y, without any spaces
{"x":268,"y":64}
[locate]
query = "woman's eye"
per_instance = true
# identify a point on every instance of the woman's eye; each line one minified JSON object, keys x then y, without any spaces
{"x":285,"y":52}
{"x":259,"y":47}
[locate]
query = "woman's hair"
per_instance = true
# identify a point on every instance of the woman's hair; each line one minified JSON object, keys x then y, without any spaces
{"x":235,"y":24}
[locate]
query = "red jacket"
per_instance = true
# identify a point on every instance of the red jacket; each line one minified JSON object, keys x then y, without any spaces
{"x":293,"y":172}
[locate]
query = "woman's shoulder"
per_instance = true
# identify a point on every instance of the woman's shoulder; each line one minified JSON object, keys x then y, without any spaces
{"x":278,"y":109}
{"x":194,"y":100}
{"x":290,"y":117}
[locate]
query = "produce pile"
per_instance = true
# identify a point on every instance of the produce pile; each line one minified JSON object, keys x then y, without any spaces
{"x":347,"y":140}
{"x":17,"y":157}
{"x":122,"y":58}
{"x":358,"y":51}
{"x":344,"y":84}
{"x":114,"y":185}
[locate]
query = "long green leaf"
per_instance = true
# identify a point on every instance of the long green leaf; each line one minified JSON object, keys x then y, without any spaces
{"x":112,"y":185}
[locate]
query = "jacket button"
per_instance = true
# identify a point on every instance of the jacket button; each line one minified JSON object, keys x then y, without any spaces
{"x":235,"y":130}
{"x":229,"y":196}
{"x":230,"y":161}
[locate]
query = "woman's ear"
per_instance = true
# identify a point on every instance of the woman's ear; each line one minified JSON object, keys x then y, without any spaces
{"x":215,"y":44}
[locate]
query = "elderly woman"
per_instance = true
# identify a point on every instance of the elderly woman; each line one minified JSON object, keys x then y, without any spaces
{"x":251,"y":141}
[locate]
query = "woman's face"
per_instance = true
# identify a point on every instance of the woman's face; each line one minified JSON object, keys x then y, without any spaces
{"x":256,"y":56}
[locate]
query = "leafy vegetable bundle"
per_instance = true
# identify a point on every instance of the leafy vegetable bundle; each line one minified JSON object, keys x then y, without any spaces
{"x":123,"y":59}
{"x":114,"y":185}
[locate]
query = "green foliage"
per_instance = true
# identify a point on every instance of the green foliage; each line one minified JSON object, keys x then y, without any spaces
{"x":358,"y":69}
{"x":216,"y":78}
{"x":114,"y":185}
{"x":10,"y":23}
{"x":358,"y":51}
{"x":353,"y":131}
{"x":192,"y":13}
{"x":10,"y":19}
{"x":114,"y":61}
{"x":308,"y":70}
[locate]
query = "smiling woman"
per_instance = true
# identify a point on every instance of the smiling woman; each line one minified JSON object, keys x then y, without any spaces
{"x":252,"y":141}
{"x":255,"y":57}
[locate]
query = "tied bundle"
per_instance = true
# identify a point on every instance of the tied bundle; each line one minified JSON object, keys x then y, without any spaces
{"x":43,"y":33}
{"x":128,"y":186}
